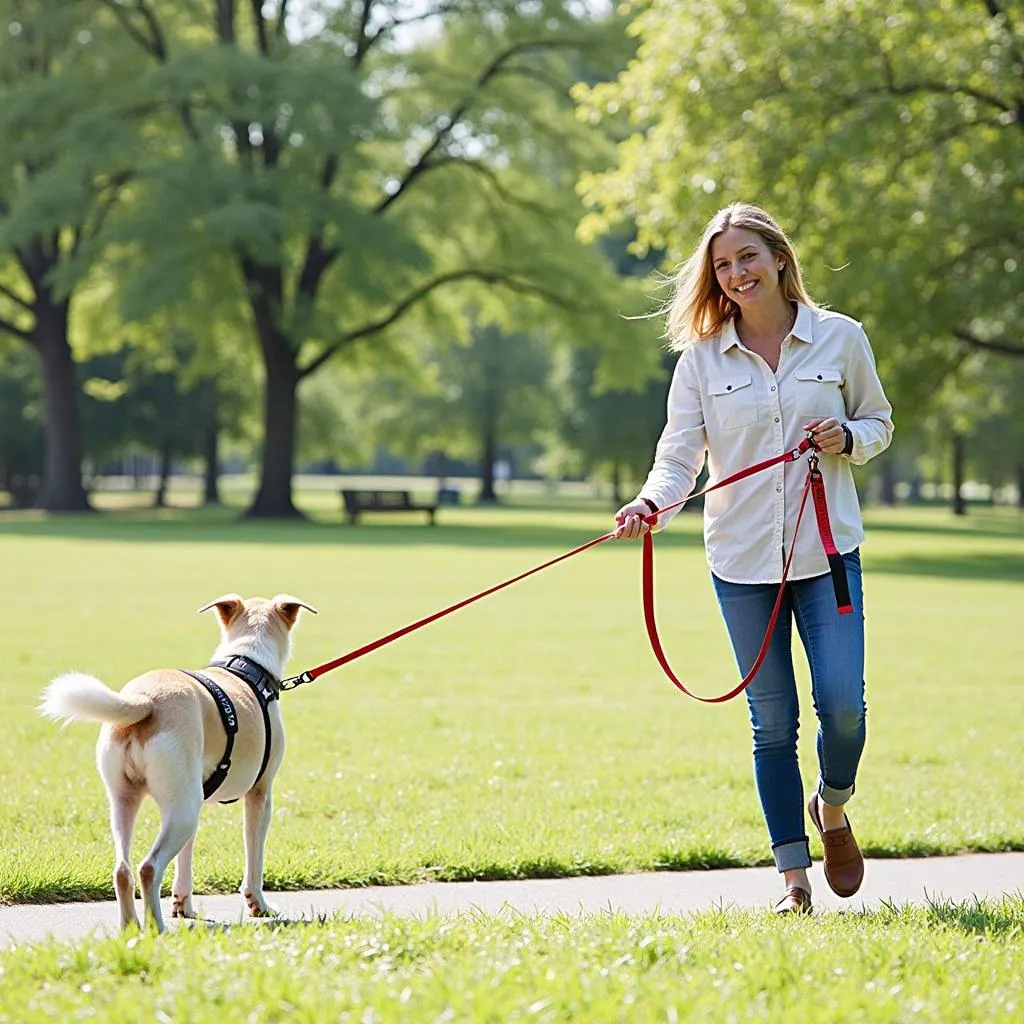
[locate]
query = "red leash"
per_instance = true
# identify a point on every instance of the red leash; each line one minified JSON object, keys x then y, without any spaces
{"x":648,"y":578}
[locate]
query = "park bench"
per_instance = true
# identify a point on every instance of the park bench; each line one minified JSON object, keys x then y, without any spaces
{"x":358,"y":502}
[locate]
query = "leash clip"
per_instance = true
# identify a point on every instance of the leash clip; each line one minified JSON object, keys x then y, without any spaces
{"x":293,"y":681}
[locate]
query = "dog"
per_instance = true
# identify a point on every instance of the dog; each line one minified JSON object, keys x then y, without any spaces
{"x":173,"y":735}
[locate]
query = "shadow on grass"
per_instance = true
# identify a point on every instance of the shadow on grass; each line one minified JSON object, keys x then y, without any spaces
{"x":127,"y":528}
{"x":996,"y":918}
{"x":1001,"y":526}
{"x":1003,"y":565}
{"x":922,"y":848}
{"x":1003,"y":917}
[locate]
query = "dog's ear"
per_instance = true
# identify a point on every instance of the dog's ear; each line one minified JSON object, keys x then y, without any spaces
{"x":228,"y":607}
{"x":288,"y":608}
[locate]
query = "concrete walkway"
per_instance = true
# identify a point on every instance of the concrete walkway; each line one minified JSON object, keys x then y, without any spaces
{"x":915,"y":881}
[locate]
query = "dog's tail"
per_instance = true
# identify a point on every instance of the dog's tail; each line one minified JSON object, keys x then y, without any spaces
{"x":75,"y":697}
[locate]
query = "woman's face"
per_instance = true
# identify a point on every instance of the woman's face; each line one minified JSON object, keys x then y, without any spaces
{"x":746,"y":269}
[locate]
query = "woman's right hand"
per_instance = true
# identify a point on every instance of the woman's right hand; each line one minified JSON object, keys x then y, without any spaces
{"x":629,"y":520}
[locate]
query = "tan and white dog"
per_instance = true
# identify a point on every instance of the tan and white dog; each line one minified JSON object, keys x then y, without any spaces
{"x":166,"y":734}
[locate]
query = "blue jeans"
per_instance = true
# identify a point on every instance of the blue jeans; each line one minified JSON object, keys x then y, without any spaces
{"x":834,"y":645}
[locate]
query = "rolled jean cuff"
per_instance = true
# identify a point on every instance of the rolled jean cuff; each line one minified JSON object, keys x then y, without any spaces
{"x":792,"y":854}
{"x":832,"y":795}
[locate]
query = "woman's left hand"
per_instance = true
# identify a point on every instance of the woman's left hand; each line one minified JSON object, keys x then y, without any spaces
{"x":828,"y":435}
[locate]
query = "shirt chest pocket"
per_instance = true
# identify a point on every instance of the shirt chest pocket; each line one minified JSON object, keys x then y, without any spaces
{"x":818,"y":392}
{"x":733,"y":402}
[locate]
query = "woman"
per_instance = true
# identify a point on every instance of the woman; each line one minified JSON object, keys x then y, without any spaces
{"x":760,"y":368}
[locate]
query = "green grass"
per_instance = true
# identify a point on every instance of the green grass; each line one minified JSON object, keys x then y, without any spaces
{"x":530,"y":734}
{"x":946,"y":963}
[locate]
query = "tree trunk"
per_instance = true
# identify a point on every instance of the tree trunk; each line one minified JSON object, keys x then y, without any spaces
{"x":211,"y":446}
{"x":490,"y":455}
{"x":888,"y":490}
{"x":959,"y":458}
{"x":274,"y":497}
{"x":163,"y":474}
{"x":1020,"y":485}
{"x":617,"y":484}
{"x":62,"y":482}
{"x":441,"y":465}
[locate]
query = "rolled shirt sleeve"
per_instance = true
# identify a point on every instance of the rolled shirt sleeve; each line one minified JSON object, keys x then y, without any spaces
{"x":679,"y":455}
{"x":869,"y":411}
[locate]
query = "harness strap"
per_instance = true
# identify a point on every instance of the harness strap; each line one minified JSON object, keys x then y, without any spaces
{"x":229,"y":718}
{"x":264,"y":685}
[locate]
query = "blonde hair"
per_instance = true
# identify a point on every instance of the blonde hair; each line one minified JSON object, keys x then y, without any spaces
{"x":699,"y":308}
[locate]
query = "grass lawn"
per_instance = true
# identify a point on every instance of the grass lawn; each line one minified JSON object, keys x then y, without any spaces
{"x":942,"y":963}
{"x":530,"y":734}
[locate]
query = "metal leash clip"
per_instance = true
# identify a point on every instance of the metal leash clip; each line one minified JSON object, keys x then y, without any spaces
{"x":293,"y":681}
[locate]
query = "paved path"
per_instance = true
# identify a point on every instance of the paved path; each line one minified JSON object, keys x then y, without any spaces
{"x":670,"y":892}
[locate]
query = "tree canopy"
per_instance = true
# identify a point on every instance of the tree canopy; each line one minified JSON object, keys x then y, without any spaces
{"x":347,"y":177}
{"x":887,"y":136}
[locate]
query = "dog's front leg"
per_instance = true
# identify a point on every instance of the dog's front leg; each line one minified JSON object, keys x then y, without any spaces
{"x":181,"y":890}
{"x":258,"y":805}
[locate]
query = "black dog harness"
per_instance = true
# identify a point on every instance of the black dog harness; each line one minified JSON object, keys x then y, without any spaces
{"x":266,"y":688}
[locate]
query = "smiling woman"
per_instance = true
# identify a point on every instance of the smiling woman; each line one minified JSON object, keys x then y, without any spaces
{"x":760,"y":367}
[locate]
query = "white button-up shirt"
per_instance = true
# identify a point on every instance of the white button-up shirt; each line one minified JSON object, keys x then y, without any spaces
{"x":726,"y":402}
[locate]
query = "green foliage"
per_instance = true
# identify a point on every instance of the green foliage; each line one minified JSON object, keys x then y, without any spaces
{"x":21,"y":416}
{"x":471,"y":400}
{"x":69,"y":137}
{"x":353,"y":178}
{"x":885,"y":136}
{"x":613,"y":430}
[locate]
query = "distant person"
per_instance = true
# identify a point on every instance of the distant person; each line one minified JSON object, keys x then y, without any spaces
{"x":503,"y":473}
{"x":760,"y":366}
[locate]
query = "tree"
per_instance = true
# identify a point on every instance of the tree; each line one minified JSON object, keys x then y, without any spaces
{"x":376,"y":168}
{"x":888,"y":135}
{"x":62,"y":167}
{"x":21,"y":426}
{"x":166,"y":398}
{"x":614,"y":431}
{"x":473,"y":401}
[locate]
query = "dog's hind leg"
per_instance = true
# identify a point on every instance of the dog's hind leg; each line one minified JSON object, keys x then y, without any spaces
{"x":181,"y":889}
{"x":124,"y":808}
{"x":178,"y":823}
{"x":178,"y":792}
{"x":258,"y":806}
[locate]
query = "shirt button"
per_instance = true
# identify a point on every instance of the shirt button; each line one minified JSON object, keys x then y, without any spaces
{"x":778,"y":489}
{"x":772,"y":388}
{"x":776,"y":419}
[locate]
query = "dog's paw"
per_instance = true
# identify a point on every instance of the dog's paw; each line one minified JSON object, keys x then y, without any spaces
{"x":259,"y":907}
{"x":181,"y":906}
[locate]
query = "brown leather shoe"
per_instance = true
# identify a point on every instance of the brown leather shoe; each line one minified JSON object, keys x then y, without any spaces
{"x":796,"y":901}
{"x":844,"y":865}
